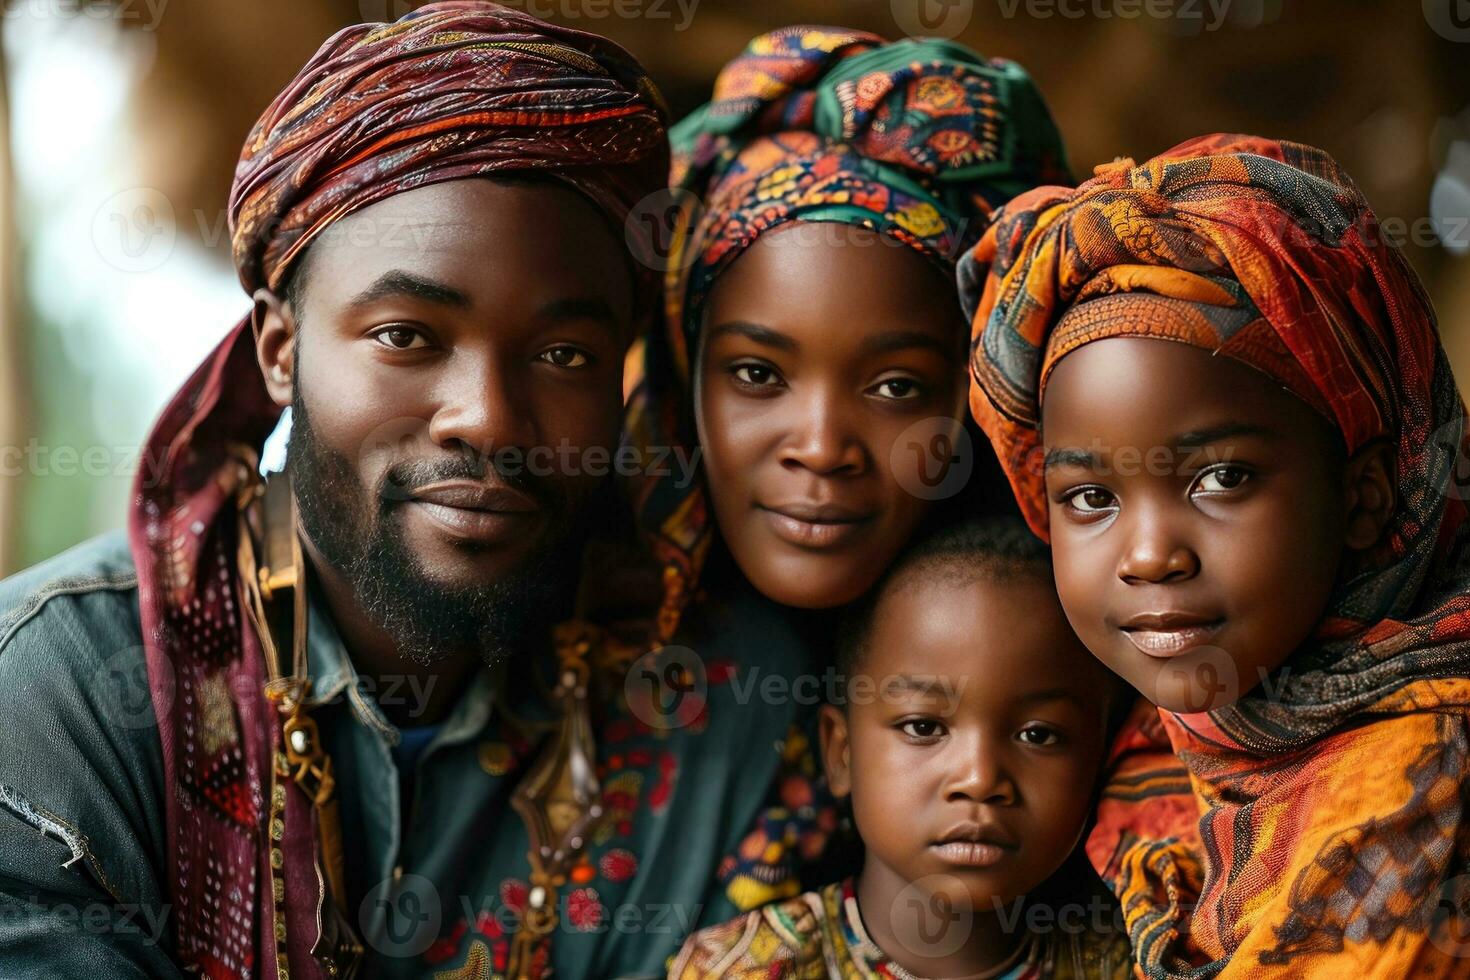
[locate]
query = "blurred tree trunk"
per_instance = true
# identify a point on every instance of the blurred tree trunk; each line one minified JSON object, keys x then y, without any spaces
{"x":12,"y":346}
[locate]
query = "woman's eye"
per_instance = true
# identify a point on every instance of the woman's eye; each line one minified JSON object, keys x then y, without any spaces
{"x":921,"y":728}
{"x":897,"y":389}
{"x":1092,"y":500}
{"x":1039,"y":735}
{"x":567,"y":357}
{"x":754,"y":375}
{"x":1222,"y":479}
{"x":400,"y":338}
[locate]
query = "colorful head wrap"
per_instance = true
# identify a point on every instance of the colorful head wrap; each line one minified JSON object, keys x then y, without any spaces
{"x":916,"y":139}
{"x":453,"y":90}
{"x":1332,"y":811}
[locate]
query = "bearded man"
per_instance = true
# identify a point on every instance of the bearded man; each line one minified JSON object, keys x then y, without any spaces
{"x":354,"y":719}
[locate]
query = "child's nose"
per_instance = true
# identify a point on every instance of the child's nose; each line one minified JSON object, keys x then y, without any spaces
{"x":1155,"y":555}
{"x":979,"y":775}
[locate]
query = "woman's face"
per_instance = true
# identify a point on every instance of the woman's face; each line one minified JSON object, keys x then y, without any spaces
{"x":826,"y":351}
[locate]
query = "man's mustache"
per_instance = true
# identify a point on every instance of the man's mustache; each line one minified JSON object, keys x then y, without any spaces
{"x":402,"y":479}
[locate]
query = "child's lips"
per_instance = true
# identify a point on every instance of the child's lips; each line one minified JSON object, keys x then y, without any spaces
{"x":973,"y":845}
{"x":1166,"y":635}
{"x":972,"y":854}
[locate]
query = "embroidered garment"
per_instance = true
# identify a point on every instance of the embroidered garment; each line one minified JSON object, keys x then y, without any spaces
{"x":820,"y":934}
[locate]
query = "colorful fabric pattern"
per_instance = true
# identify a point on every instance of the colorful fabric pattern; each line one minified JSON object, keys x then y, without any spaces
{"x":820,"y":935}
{"x":916,"y":139}
{"x":1325,"y":827}
{"x":450,"y":91}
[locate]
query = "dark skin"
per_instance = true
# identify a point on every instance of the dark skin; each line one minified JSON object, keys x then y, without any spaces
{"x":427,"y":339}
{"x":822,"y":344}
{"x":1196,"y":571}
{"x":997,"y":742}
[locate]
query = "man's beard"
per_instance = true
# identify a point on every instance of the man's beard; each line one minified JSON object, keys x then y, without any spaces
{"x":359,"y":532}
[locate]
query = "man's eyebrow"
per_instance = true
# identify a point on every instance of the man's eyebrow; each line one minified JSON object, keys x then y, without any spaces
{"x":399,"y":283}
{"x":591,"y":308}
{"x":1070,"y":457}
{"x":895,"y":340}
{"x":753,"y":331}
{"x":1227,"y":430}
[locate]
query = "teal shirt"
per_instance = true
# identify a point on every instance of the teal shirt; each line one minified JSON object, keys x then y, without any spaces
{"x":434,"y":883}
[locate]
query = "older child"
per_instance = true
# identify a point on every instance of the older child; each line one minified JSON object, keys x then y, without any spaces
{"x":1221,"y":393}
{"x":970,"y":740}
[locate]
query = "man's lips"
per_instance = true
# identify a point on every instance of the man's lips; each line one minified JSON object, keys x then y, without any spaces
{"x":1170,"y":634}
{"x":973,"y":845}
{"x":812,"y":525}
{"x":476,"y":511}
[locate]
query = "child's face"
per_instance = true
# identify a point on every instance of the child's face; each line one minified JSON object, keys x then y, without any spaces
{"x":972,"y":758}
{"x":825,"y":346}
{"x":1198,"y":516}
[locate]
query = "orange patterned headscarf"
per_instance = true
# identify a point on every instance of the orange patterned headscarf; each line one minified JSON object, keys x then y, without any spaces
{"x":1323,"y":830}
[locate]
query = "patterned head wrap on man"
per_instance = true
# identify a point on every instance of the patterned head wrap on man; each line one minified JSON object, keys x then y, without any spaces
{"x":452,"y":90}
{"x":916,"y":139}
{"x":1307,"y":791}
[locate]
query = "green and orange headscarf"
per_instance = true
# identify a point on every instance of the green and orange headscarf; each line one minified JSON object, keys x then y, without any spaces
{"x":919,"y":140}
{"x":1320,"y":828}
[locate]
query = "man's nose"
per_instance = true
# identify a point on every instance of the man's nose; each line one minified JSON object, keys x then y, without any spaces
{"x":482,"y":406}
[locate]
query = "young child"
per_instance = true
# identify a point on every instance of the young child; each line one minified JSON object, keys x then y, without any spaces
{"x":1218,"y":388}
{"x":970,"y":740}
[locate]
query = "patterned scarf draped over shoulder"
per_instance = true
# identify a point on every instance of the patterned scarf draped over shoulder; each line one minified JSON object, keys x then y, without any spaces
{"x":453,"y":90}
{"x":918,"y":140}
{"x":1323,"y":829}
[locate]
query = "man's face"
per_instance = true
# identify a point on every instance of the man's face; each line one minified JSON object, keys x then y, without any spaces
{"x":458,"y":354}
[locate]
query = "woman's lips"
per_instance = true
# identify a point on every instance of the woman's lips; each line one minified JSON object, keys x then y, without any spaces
{"x":1166,"y":636}
{"x":811,"y":526}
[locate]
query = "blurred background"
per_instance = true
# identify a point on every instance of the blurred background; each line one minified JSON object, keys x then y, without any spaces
{"x":123,"y":120}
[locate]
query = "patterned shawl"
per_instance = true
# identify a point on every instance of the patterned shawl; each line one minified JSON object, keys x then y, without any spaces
{"x":1324,"y":828}
{"x":917,"y":139}
{"x":452,"y":90}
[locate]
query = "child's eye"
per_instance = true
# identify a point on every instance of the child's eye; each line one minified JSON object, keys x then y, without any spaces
{"x":896,"y":389}
{"x":566,"y":356}
{"x":1040,"y":735}
{"x":1222,"y":479}
{"x":921,"y":728}
{"x":1091,"y":500}
{"x":755,"y":375}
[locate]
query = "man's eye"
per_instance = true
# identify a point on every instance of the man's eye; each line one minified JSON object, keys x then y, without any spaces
{"x":897,"y":389}
{"x":568,"y":357}
{"x":400,"y":338}
{"x":1092,"y":500}
{"x":1039,"y":735}
{"x":1222,"y":479}
{"x":921,"y":728}
{"x":754,"y":375}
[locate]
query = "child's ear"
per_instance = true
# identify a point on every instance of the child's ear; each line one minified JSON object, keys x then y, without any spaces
{"x":832,"y":728}
{"x":1371,"y":498}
